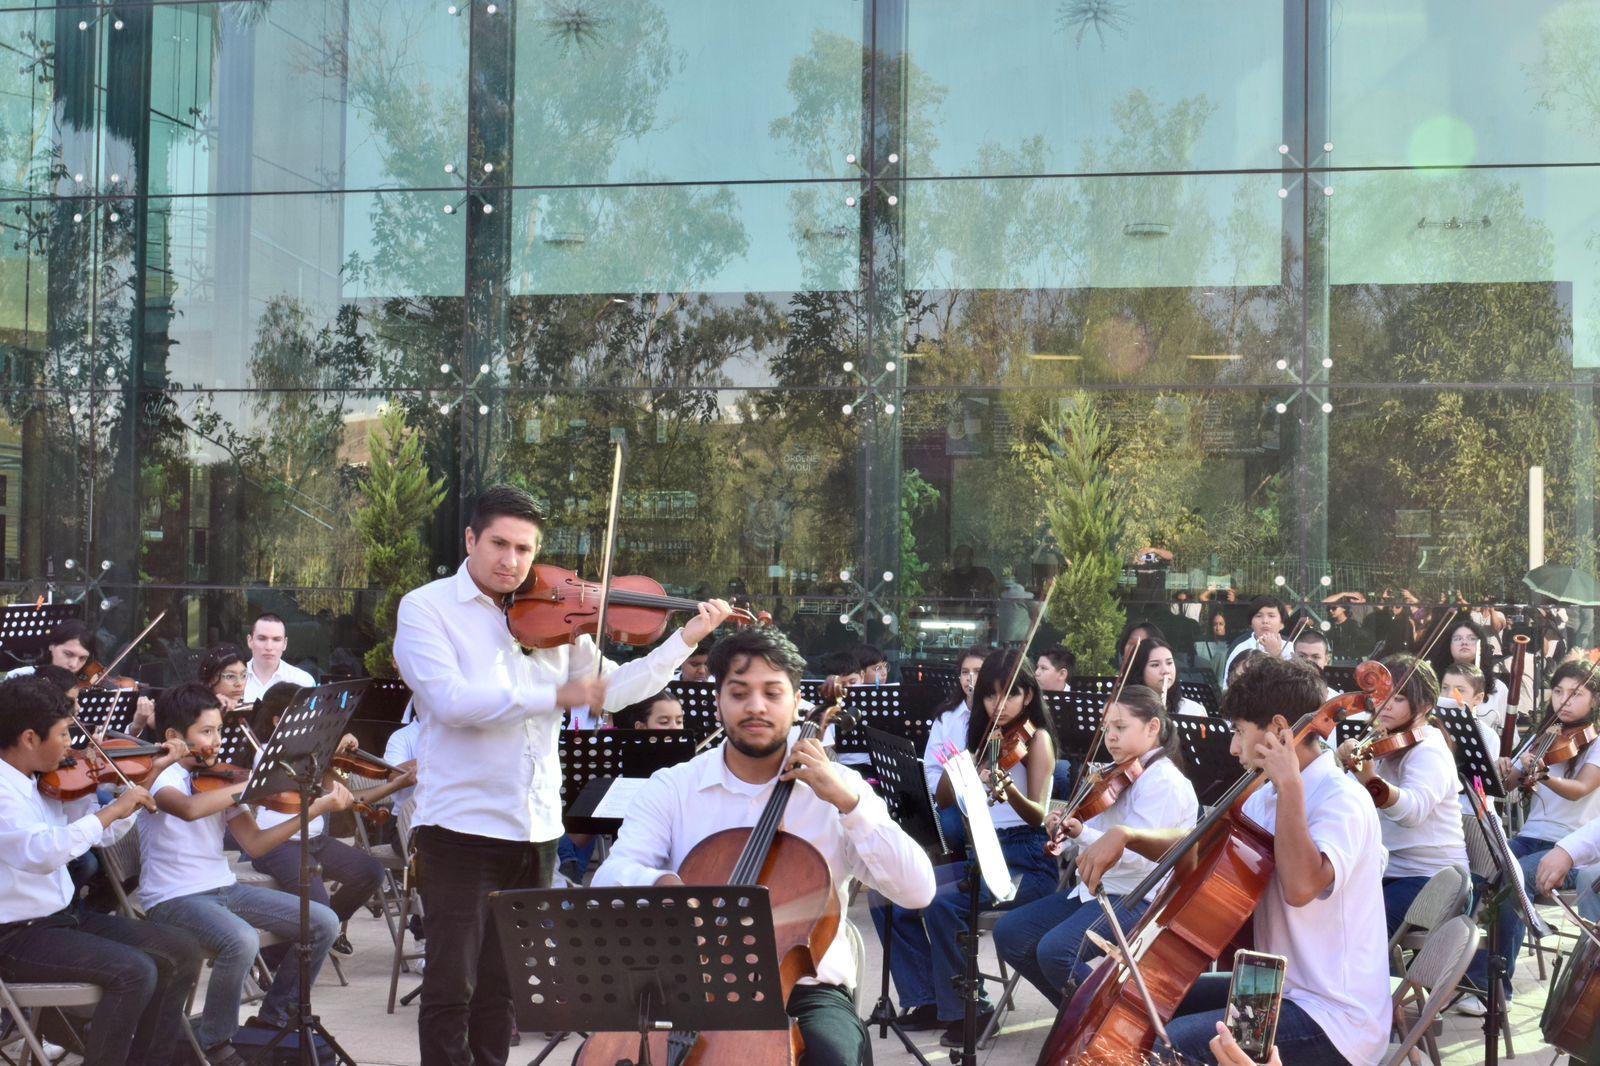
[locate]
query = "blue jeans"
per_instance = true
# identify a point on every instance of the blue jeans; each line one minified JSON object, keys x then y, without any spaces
{"x":1398,"y":895}
{"x":144,"y":974}
{"x":927,"y":958}
{"x":1300,"y":1040}
{"x":1046,"y":940}
{"x":568,"y":850}
{"x":357,"y":873}
{"x":225,"y":921}
{"x":1588,"y":879}
{"x":1512,"y":928}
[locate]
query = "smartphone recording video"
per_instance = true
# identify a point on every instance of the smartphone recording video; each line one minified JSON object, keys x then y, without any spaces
{"x":1253,"y":1001}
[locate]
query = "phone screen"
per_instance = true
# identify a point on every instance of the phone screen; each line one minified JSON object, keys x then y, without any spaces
{"x":1253,"y":1002}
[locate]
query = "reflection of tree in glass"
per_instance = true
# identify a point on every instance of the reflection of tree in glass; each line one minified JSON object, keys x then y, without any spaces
{"x":574,"y":25}
{"x":1096,"y":15}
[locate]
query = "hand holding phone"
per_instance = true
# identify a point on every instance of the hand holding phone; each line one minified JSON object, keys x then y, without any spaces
{"x":1254,"y":998}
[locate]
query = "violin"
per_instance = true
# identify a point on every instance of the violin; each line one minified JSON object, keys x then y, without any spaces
{"x":1195,"y":916}
{"x":554,"y":607}
{"x":364,"y":764}
{"x":805,"y":918}
{"x":1004,"y":751}
{"x":1380,"y":745}
{"x":1102,"y":788}
{"x":1557,"y":747}
{"x":113,"y":762}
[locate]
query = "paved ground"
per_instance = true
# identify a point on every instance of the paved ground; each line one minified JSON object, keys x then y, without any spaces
{"x":355,"y":1015}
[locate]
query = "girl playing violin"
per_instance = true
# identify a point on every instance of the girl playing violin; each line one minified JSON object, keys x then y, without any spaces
{"x":1565,"y":797}
{"x":1045,"y":941}
{"x":224,"y":672}
{"x":1019,"y":821}
{"x":1414,"y":789}
{"x":1155,"y":668}
{"x":68,"y":646}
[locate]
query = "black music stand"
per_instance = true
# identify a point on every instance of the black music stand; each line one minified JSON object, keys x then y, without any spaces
{"x":380,"y":711}
{"x":637,"y":762}
{"x":106,"y":710}
{"x":1509,"y":886}
{"x":905,"y":792}
{"x":301,"y":748}
{"x":1208,"y":756}
{"x":883,"y":708}
{"x":1474,"y":762}
{"x":585,"y":959}
{"x":25,"y":628}
{"x":699,"y":700}
{"x":1076,"y":718}
{"x":590,"y":753}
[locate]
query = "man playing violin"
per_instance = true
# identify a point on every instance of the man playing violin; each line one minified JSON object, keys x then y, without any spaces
{"x":757,"y":674}
{"x":1322,"y":909}
{"x":1413,"y":785}
{"x":144,"y":971}
{"x":488,"y":793}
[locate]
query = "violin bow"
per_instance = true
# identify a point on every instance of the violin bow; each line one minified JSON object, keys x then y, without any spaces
{"x":95,"y":744}
{"x":1080,"y":775}
{"x":1417,"y":661}
{"x":134,"y":643}
{"x":1016,"y":667}
{"x":605,"y":573}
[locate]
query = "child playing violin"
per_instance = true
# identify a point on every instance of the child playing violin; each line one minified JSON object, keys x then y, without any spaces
{"x":185,"y":879}
{"x":935,"y":949}
{"x":357,"y":873}
{"x":1565,"y":798}
{"x":144,"y":972}
{"x":1045,"y":941}
{"x":1414,"y":789}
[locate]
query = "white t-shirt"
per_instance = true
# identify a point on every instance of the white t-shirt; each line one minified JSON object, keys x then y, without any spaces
{"x":1162,"y":798}
{"x":179,"y":858}
{"x":1551,"y":817}
{"x":402,"y":748}
{"x":1422,"y":828}
{"x":1337,"y":944}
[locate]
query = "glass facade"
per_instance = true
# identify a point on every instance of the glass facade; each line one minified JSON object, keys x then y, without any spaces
{"x":1327,"y":274}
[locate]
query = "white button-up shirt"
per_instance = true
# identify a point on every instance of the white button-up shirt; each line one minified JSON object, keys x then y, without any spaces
{"x":38,"y":837}
{"x":682,"y":805}
{"x":486,"y":751}
{"x":255,"y":686}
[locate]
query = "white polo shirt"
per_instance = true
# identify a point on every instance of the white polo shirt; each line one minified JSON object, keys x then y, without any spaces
{"x":1337,"y":944}
{"x":487,"y":762}
{"x":178,"y":857}
{"x":256,"y":686}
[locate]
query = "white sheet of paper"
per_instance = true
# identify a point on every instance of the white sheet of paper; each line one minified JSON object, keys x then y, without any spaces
{"x":619,"y":797}
{"x":973,"y":799}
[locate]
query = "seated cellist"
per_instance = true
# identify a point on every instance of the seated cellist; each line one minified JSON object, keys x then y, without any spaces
{"x":757,"y":672}
{"x":1323,"y":908}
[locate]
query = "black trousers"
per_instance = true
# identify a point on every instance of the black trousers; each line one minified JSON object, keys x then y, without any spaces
{"x":466,"y":1017}
{"x":830,"y":1026}
{"x":145,"y":972}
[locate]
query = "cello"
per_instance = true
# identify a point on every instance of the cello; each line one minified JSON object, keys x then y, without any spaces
{"x":1194,"y":918}
{"x":805,"y":917}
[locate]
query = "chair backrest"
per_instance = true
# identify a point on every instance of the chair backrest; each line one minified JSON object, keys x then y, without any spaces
{"x":1435,"y":970}
{"x":1442,"y":898}
{"x":1480,"y":854}
{"x":121,"y":861}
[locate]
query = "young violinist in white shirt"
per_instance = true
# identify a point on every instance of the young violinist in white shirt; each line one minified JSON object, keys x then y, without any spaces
{"x":1323,"y":907}
{"x":1566,"y":797}
{"x":488,"y":792}
{"x":757,"y":672}
{"x":1414,"y":790}
{"x":1045,"y":940}
{"x":145,"y":972}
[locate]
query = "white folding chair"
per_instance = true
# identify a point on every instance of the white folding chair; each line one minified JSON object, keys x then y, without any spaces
{"x":1429,"y":985}
{"x":20,"y":997}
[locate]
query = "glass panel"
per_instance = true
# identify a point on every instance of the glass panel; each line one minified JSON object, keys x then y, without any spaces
{"x":725,"y":492}
{"x":1453,"y":517}
{"x":682,"y":238}
{"x":302,"y":291}
{"x":51,"y":459}
{"x":716,"y":90}
{"x":305,"y":95}
{"x":1055,"y":282}
{"x":1199,"y":475}
{"x":1093,"y":86}
{"x":1455,"y":82}
{"x":262,"y":488}
{"x":1480,"y":275}
{"x":48,"y":104}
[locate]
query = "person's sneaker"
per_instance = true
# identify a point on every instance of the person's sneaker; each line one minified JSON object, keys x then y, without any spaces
{"x":342,"y":946}
{"x":256,"y":1021}
{"x":224,"y":1055}
{"x":956,"y":1034}
{"x":414,"y":923}
{"x":1469,"y":1004}
{"x":12,"y":1049}
{"x":919,"y":1019}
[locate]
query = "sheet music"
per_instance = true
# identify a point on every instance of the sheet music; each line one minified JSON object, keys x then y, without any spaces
{"x":619,"y":796}
{"x":973,"y":800}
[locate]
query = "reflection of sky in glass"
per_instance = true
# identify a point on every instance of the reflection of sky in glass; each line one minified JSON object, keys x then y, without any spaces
{"x":1015,"y":71}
